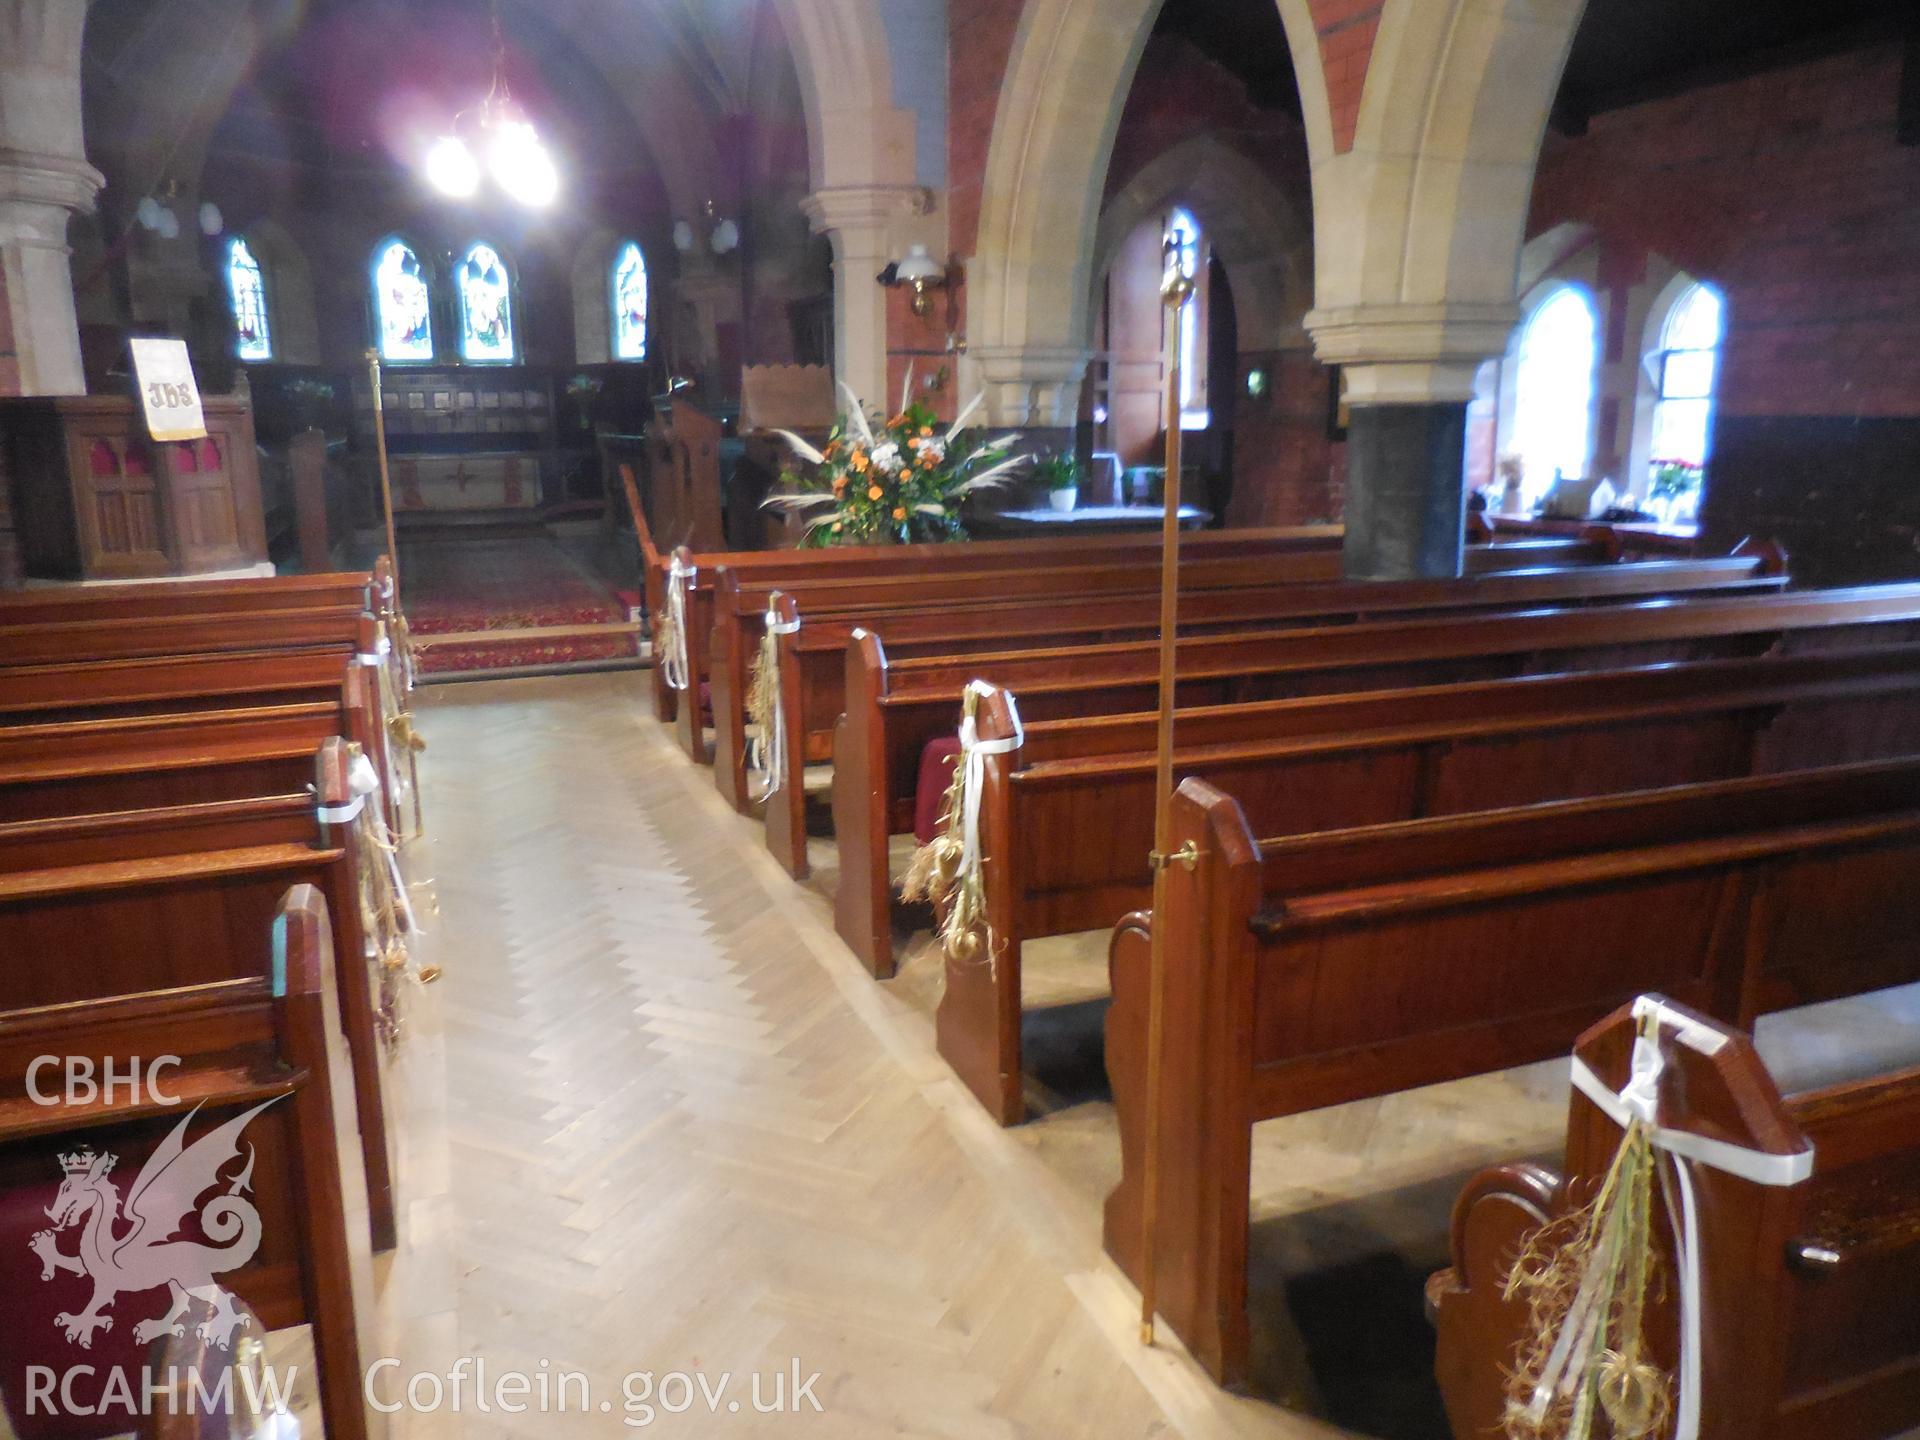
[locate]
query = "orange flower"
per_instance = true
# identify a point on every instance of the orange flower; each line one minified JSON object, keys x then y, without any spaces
{"x":839,"y":483}
{"x":897,"y":420}
{"x":859,"y":460}
{"x":926,"y":429}
{"x":913,"y":442}
{"x":875,"y":493}
{"x":836,"y":527}
{"x":928,"y":460}
{"x":900,"y":512}
{"x":833,"y":449}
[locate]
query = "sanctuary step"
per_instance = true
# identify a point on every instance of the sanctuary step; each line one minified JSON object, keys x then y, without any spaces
{"x":519,"y":599}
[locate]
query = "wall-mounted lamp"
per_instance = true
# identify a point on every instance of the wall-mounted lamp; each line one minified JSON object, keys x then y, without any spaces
{"x":922,"y":274}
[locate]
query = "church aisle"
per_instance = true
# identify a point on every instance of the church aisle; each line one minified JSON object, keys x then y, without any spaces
{"x":687,"y":1135}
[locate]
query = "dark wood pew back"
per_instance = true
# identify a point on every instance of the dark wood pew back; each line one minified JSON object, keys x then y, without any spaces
{"x":266,"y":1036}
{"x":187,"y":598}
{"x":320,"y":628}
{"x":732,"y":602}
{"x":142,"y":761}
{"x":893,"y":710}
{"x":124,"y":902}
{"x":1810,"y":1314}
{"x":813,"y":658}
{"x":1311,"y":970}
{"x":1303,"y":766}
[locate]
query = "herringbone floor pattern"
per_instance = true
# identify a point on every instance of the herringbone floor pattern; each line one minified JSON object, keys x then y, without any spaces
{"x":685,"y":1132}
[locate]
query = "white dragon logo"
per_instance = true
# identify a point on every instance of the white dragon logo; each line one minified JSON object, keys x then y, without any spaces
{"x":146,"y":1255}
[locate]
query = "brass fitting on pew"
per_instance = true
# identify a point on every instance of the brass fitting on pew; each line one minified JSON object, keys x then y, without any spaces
{"x":1187,"y":855}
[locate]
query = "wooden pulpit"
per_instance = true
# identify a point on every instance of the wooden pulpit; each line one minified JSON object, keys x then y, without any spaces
{"x":94,"y":498}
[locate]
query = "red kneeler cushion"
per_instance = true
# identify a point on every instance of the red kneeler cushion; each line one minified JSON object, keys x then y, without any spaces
{"x":29,"y":1179}
{"x":937,"y":760}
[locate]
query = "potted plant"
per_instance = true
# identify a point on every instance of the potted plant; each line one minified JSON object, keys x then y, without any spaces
{"x":1061,"y":476}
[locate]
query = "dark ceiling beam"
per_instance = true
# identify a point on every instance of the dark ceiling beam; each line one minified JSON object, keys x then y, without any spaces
{"x":1722,"y":69}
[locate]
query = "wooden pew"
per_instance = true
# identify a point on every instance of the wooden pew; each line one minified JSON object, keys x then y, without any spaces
{"x":95,"y":891}
{"x":1810,"y":1311}
{"x":875,"y":561}
{"x":1296,"y":766}
{"x":812,"y":669}
{"x":133,"y":638}
{"x":140,"y":761}
{"x":166,"y":684}
{"x":268,"y":1034}
{"x":1316,"y":969}
{"x":894,"y":709}
{"x":742,"y":602}
{"x":54,"y":603}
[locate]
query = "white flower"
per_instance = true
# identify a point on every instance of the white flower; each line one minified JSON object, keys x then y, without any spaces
{"x":936,"y":448}
{"x":886,"y":457}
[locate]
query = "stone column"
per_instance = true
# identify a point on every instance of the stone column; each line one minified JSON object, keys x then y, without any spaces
{"x":1409,"y":374}
{"x":44,"y":179}
{"x":866,"y":224}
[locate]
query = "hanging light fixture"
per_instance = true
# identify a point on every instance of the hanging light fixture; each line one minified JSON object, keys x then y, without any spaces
{"x":499,"y":130}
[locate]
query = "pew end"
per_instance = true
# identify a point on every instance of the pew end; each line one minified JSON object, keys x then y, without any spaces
{"x":977,"y":1022}
{"x":863,"y":904}
{"x":1205,"y":1102}
{"x":785,"y":805}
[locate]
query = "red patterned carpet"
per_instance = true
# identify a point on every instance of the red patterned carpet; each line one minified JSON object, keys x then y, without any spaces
{"x":509,"y":602}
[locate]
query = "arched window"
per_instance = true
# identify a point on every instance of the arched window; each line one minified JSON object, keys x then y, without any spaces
{"x":629,"y":289}
{"x":1184,"y":248}
{"x":402,"y":308}
{"x":1553,"y":390}
{"x":252,"y":333}
{"x":486,"y":306}
{"x":1685,"y":369}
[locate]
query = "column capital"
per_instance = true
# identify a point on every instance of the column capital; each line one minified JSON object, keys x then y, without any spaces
{"x":1031,"y":385}
{"x":58,"y":182}
{"x":1410,"y":354}
{"x":864,"y":215}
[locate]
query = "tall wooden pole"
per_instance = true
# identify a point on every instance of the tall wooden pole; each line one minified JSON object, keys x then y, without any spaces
{"x":386,"y":480}
{"x":1175,"y":291}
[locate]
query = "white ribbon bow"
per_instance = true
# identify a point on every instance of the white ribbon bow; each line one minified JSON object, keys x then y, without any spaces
{"x":767,"y":751}
{"x":362,"y":780}
{"x":378,"y":655}
{"x":674,"y":663}
{"x":973,"y":760}
{"x":1640,"y":1101}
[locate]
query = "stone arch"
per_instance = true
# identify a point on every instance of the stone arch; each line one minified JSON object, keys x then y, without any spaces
{"x":1253,"y":224}
{"x":1419,"y":225}
{"x":1071,"y":66}
{"x":291,"y":307}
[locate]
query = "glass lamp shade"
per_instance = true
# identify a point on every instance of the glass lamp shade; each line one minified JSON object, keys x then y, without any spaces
{"x":920,"y":267}
{"x":521,"y":165}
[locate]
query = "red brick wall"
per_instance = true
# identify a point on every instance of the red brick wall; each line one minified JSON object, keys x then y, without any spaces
{"x":1177,"y":93}
{"x":1347,"y":29}
{"x":980,"y":42}
{"x":1287,"y":471}
{"x":1788,"y":190}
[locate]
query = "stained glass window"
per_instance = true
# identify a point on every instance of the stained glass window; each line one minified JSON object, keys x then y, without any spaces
{"x":403,"y":310}
{"x":486,"y":306}
{"x":629,"y":303}
{"x":1686,"y":368}
{"x":1553,"y":393}
{"x":252,"y":336}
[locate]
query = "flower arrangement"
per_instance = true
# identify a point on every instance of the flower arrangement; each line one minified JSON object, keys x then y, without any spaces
{"x":900,"y":482}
